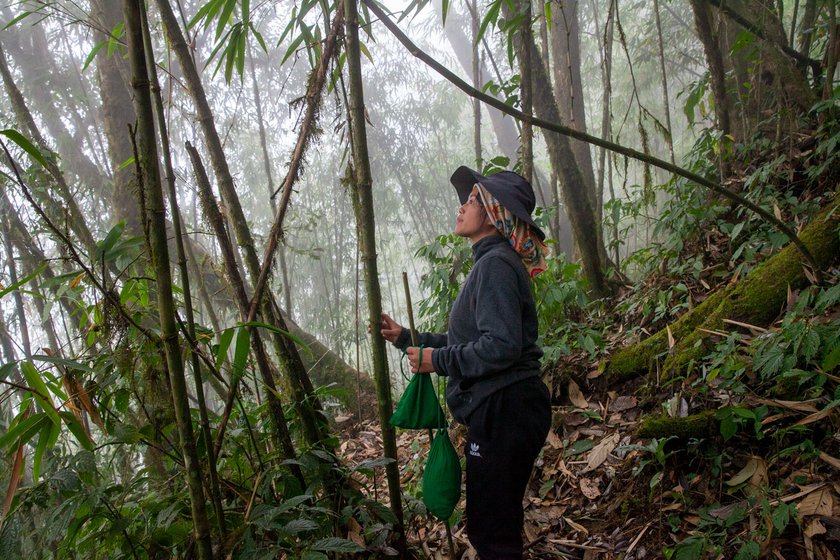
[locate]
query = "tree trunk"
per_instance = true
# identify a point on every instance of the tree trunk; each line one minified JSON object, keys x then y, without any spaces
{"x":296,"y":378}
{"x":568,"y":89}
{"x":581,"y":214}
{"x":160,"y":115}
{"x":755,"y":299}
{"x":526,"y":85}
{"x":156,"y":216}
{"x":361,"y":184}
{"x":117,"y":113}
{"x":213,"y":215}
{"x":27,"y":123}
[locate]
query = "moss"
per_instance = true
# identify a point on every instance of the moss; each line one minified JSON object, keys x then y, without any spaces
{"x":693,"y":426}
{"x":755,"y":299}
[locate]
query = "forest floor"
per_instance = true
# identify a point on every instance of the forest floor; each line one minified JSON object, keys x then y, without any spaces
{"x":599,"y":491}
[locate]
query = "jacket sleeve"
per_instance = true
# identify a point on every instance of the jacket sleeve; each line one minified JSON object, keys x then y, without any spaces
{"x":427,"y":339}
{"x":497,"y":308}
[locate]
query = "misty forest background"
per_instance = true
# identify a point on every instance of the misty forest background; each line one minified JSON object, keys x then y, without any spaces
{"x":205,"y":203}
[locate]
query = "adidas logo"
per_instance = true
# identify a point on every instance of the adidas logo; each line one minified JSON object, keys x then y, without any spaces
{"x":474,"y":451}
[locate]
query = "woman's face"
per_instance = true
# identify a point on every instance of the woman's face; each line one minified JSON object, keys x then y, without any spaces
{"x":472,"y":220}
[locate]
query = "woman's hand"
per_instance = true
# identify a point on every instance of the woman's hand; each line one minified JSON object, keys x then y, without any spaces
{"x":390,"y":329}
{"x":418,"y":366}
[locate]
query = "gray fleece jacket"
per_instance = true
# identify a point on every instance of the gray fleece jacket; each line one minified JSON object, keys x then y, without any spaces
{"x":492,"y":337}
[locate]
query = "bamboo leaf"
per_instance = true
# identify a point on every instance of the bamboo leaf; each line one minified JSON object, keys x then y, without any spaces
{"x":240,"y":353}
{"x":24,"y":144}
{"x":17,"y":19}
{"x":224,"y":18}
{"x":42,"y":394}
{"x":77,"y":430}
{"x":547,"y":7}
{"x":114,"y":39}
{"x":287,"y":334}
{"x":292,"y":48}
{"x":491,"y":18}
{"x":445,"y":11}
{"x":241,"y":43}
{"x":364,"y":50}
{"x":72,"y":364}
{"x":40,"y":448}
{"x":259,"y":37}
{"x":224,"y":343}
{"x":24,"y":427}
{"x":23,"y":281}
{"x":92,"y":54}
{"x":106,"y":244}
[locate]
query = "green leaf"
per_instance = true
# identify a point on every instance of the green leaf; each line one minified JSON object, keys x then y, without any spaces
{"x":17,"y":19}
{"x":224,"y":18}
{"x":96,"y":48}
{"x":240,"y":353}
{"x":832,"y":360}
{"x":292,"y":48}
{"x":77,"y":430}
{"x":23,"y":281}
{"x":25,"y":145}
{"x":781,"y":518}
{"x":126,"y":163}
{"x":690,"y":549}
{"x":224,"y":344}
{"x":364,"y":50}
{"x":106,"y":244}
{"x":114,"y":39}
{"x":337,"y":544}
{"x":71,"y":364}
{"x":41,"y":393}
{"x":491,"y":17}
{"x":445,"y":11}
{"x":296,"y":526}
{"x":6,"y":370}
{"x":547,"y":6}
{"x":23,"y":430}
{"x":43,"y":438}
{"x":287,"y":334}
{"x":259,"y":37}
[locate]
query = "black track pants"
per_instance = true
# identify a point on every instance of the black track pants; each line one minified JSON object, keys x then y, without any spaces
{"x":504,"y":437}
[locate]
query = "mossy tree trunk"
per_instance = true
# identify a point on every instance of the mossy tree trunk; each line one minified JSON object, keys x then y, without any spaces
{"x":362,"y":195}
{"x":756,"y":299}
{"x":156,"y":218}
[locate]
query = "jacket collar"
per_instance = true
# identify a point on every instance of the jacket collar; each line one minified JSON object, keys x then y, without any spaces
{"x":486,"y":244}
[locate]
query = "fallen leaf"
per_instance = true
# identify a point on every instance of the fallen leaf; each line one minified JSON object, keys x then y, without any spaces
{"x":814,"y":528}
{"x":745,"y":473}
{"x":759,"y":478}
{"x":576,"y":396}
{"x":589,"y":488}
{"x":623,"y":403}
{"x":554,"y":440}
{"x":818,"y":502}
{"x":576,"y":526}
{"x":601,"y":451}
{"x":834,"y":462}
{"x":671,"y":341}
{"x":816,"y":416}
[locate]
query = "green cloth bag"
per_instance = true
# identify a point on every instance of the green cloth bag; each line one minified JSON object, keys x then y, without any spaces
{"x":419,"y":407}
{"x":442,"y":477}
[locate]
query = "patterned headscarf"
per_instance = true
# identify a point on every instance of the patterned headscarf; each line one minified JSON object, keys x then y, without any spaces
{"x":524,"y":241}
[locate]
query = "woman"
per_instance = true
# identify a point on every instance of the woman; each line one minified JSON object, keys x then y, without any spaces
{"x":491,"y":357}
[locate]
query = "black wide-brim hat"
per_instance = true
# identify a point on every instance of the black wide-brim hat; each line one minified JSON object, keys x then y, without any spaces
{"x":509,"y":188}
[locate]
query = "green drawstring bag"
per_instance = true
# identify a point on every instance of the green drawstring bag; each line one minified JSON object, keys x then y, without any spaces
{"x":419,"y":407}
{"x":442,"y":477}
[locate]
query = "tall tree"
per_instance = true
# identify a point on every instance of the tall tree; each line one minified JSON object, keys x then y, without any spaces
{"x":361,"y":185}
{"x":151,"y":187}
